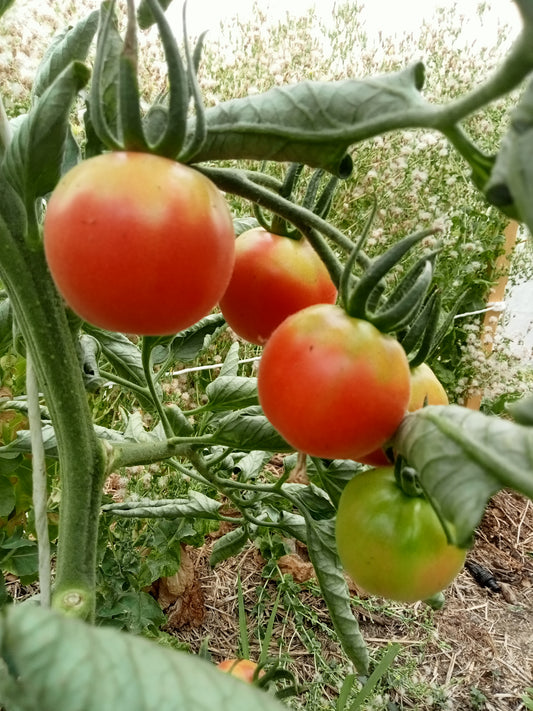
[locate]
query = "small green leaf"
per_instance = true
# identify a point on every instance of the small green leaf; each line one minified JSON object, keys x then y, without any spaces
{"x":101,"y":117}
{"x":188,"y":344}
{"x":228,"y":545}
{"x":251,"y":464}
{"x":230,"y":366}
{"x":462,"y":458}
{"x":56,"y":663}
{"x":19,"y":556}
{"x":34,"y":157}
{"x":335,"y":476}
{"x":72,"y":44}
{"x":511,"y":181}
{"x":231,"y":393}
{"x":324,"y":557}
{"x":178,"y":420}
{"x":522,"y":411}
{"x":138,"y":611}
{"x":249,"y":429}
{"x":7,"y":497}
{"x":313,"y":499}
{"x":6,"y":324}
{"x":122,"y":354}
{"x":22,"y":442}
{"x":243,"y":224}
{"x":196,"y":505}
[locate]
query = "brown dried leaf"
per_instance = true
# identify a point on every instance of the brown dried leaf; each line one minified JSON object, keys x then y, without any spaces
{"x":294,"y":565}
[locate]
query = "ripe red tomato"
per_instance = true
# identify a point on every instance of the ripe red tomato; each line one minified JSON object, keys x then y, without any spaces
{"x":273,"y":277}
{"x":332,"y":385}
{"x":425,"y":387}
{"x":139,"y":243}
{"x":242,"y":668}
{"x":391,"y":544}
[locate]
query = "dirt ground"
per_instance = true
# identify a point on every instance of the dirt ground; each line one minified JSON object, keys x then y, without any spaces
{"x":479,"y":647}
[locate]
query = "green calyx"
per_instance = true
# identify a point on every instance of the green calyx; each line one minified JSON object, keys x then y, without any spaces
{"x":316,"y":200}
{"x":115,"y":105}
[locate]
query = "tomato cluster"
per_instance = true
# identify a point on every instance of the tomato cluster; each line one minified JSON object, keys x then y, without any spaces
{"x":138,"y":243}
{"x":391,"y":544}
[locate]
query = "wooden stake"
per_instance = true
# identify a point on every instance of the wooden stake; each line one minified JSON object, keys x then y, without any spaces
{"x":496,"y":295}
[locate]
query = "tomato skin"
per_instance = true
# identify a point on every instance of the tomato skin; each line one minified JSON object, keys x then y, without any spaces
{"x":242,"y":668}
{"x":424,"y":385}
{"x":138,"y":243}
{"x":273,"y":277}
{"x":393,"y":545}
{"x":332,"y":385}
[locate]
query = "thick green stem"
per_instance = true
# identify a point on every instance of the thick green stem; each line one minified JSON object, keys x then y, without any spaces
{"x":43,"y":323}
{"x":310,"y":225}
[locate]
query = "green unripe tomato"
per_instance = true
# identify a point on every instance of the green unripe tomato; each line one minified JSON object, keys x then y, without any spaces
{"x":390,"y":544}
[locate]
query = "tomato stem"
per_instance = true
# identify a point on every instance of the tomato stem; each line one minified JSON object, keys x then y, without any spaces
{"x":43,"y":323}
{"x":146,"y":355}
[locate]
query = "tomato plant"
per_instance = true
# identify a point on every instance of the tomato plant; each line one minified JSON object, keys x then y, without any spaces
{"x":425,"y":389}
{"x":244,"y":669}
{"x":391,"y":544}
{"x":332,"y":385}
{"x":151,"y":253}
{"x":273,"y":277}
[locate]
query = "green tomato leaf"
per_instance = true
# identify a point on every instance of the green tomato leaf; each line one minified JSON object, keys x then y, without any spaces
{"x":22,"y":442}
{"x":54,"y":663}
{"x":231,"y":393}
{"x":314,"y":500}
{"x":249,"y":429}
{"x":178,"y":420}
{"x":230,"y":366}
{"x":34,"y":157}
{"x":463,"y":458}
{"x":243,"y":224}
{"x":7,"y":497}
{"x":251,"y":464}
{"x":19,"y":556}
{"x":122,"y":354}
{"x":188,"y":344}
{"x":196,"y":505}
{"x":12,"y":209}
{"x":323,"y":554}
{"x":511,"y":182}
{"x":70,"y":45}
{"x":228,"y":545}
{"x":290,"y":523}
{"x":522,"y":411}
{"x":138,"y":611}
{"x":310,"y":122}
{"x":336,"y":476}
